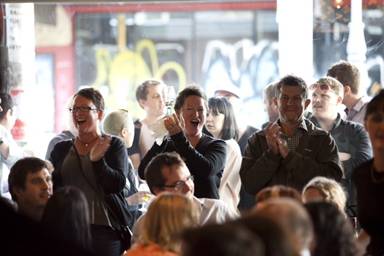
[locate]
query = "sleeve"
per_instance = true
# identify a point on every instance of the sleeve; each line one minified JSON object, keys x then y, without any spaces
{"x":326,"y":163}
{"x":152,"y":152}
{"x":15,"y":151}
{"x":203,"y":165}
{"x":56,"y":157}
{"x":362,"y":150}
{"x":111,"y":170}
{"x":259,"y":165}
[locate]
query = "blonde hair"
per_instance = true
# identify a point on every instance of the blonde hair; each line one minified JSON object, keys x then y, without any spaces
{"x":333,"y":83}
{"x":330,"y":189}
{"x":167,"y":216}
{"x":116,"y":121}
{"x":277,"y":191}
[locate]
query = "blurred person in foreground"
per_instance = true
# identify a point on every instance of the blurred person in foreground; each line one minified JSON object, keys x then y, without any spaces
{"x":369,"y":179}
{"x":294,"y":220}
{"x":168,"y":215}
{"x":292,"y":150}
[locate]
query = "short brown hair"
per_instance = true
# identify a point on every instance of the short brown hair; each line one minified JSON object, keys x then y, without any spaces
{"x":347,"y":74}
{"x":142,"y":89}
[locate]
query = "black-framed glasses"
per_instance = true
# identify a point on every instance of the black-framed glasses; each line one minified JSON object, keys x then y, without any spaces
{"x":82,"y":109}
{"x":180,"y":184}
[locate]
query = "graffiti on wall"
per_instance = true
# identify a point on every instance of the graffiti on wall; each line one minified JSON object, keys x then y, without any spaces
{"x":245,"y":68}
{"x":119,"y":74}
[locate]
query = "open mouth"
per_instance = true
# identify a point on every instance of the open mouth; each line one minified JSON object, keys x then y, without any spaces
{"x":195,"y":123}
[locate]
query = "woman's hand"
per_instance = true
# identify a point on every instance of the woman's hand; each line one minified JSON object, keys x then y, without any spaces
{"x":172,"y":124}
{"x":101,"y":146}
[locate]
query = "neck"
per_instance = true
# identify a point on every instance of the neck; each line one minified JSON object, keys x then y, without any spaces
{"x":326,"y":123}
{"x":289,"y":128}
{"x":351,"y":100}
{"x":87,"y":138}
{"x":35,"y":213}
{"x":194,"y":139}
{"x":378,"y":163}
{"x":150,"y":119}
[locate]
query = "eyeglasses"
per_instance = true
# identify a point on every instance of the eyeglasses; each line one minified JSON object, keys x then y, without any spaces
{"x":81,"y":109}
{"x":179,"y":185}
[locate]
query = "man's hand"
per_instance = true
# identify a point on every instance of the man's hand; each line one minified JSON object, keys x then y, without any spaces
{"x":283,"y":147}
{"x":272,"y":136}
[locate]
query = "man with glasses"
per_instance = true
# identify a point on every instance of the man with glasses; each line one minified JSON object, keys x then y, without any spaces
{"x":290,"y":151}
{"x":168,"y":172}
{"x":351,"y":138}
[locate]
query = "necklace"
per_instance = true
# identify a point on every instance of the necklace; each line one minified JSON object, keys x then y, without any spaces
{"x":86,"y":144}
{"x":376,"y":176}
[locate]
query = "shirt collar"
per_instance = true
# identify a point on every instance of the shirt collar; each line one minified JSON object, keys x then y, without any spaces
{"x":302,"y":125}
{"x":360,"y":104}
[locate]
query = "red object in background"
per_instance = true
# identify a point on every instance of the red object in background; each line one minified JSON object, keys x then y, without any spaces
{"x":18,"y":130}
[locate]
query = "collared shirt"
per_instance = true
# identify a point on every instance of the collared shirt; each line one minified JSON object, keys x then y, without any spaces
{"x":357,"y":113}
{"x":293,"y":142}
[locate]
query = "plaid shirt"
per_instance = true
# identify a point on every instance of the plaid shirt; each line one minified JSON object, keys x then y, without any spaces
{"x":293,"y":142}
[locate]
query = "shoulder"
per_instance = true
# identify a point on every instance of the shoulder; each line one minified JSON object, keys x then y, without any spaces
{"x":208,"y":140}
{"x":314,"y":130}
{"x":233,"y":146}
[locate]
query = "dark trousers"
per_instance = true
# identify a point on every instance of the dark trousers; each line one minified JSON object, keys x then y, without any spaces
{"x":105,"y":241}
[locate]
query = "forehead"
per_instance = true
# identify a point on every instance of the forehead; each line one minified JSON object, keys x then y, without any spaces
{"x":193,"y":100}
{"x":155,"y":89}
{"x":42,"y":173}
{"x":291,"y":90}
{"x":174,"y":173}
{"x":80,"y":100}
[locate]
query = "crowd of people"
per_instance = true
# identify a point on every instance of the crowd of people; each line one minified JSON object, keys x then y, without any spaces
{"x":308,"y":182}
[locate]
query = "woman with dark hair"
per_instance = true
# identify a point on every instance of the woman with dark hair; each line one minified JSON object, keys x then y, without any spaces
{"x":369,"y":179}
{"x":66,"y":216}
{"x":97,"y":164}
{"x":221,"y":123}
{"x":333,"y":232}
{"x":204,"y":155}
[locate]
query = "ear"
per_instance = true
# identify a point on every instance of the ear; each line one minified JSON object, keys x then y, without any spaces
{"x":17,"y":191}
{"x":124,"y":132}
{"x":142,"y":103}
{"x":275,"y":101}
{"x":100,"y":115}
{"x":306,"y":103}
{"x":347,"y":90}
{"x":339,"y":99}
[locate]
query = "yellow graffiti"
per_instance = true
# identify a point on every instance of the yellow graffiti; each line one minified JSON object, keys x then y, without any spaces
{"x":122,"y":73}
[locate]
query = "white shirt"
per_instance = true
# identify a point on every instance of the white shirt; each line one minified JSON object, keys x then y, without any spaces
{"x":15,"y":153}
{"x":230,"y":182}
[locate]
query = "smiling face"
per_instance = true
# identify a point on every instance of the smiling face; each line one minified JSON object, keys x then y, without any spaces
{"x":193,"y":116}
{"x":175,"y":174}
{"x":291,"y":104}
{"x":85,"y":115}
{"x":154,"y":104}
{"x":215,"y":123}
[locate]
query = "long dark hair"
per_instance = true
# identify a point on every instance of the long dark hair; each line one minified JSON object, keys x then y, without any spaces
{"x":223,"y":106}
{"x":66,"y":215}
